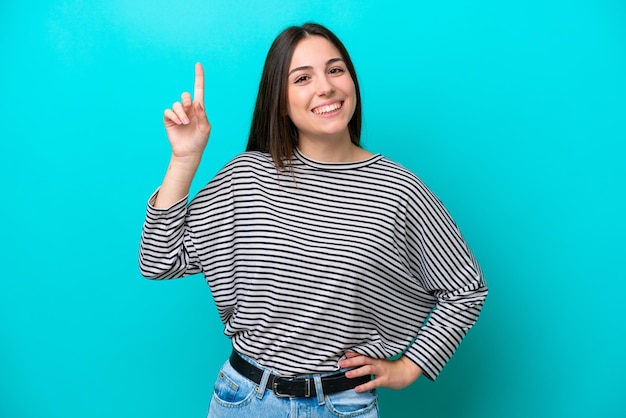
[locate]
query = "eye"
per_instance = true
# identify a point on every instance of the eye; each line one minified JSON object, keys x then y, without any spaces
{"x":336,"y":70}
{"x":301,"y":79}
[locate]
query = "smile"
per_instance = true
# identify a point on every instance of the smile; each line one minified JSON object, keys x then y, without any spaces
{"x":326,"y":109}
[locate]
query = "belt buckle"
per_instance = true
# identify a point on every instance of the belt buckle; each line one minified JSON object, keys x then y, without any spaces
{"x":307,"y":386}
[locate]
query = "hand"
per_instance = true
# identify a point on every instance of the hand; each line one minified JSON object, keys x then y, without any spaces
{"x":186,"y":122}
{"x":393,"y":374}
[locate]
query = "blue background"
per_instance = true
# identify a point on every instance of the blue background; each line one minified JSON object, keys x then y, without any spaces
{"x":512,"y":112}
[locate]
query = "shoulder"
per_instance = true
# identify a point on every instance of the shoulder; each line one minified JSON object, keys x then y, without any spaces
{"x":413,"y":189}
{"x":398,"y":175}
{"x":250,"y":159}
{"x":239,"y":172}
{"x":244,"y":164}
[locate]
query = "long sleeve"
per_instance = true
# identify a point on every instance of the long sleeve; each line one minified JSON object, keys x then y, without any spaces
{"x":446,"y":268}
{"x":331,"y":258}
{"x":166,"y":249}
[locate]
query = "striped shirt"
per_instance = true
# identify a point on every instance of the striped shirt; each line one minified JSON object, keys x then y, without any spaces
{"x":335,"y":257}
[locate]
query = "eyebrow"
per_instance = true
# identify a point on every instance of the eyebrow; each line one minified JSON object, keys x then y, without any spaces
{"x":308,"y":67}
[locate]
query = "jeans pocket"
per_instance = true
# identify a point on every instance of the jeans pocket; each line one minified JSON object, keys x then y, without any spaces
{"x":349,"y":403}
{"x":231,"y":389}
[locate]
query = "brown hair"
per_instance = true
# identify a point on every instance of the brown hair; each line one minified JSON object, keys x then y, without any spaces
{"x":272,"y":130}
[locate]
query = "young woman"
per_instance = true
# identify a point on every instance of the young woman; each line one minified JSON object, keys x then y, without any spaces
{"x":324,"y":260}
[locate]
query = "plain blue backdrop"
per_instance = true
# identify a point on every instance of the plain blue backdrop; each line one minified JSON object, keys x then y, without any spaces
{"x":512,"y":112}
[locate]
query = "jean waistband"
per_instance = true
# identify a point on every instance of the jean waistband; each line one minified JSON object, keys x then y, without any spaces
{"x":294,"y":386}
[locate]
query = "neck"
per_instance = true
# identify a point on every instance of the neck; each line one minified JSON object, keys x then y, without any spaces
{"x":331,"y":151}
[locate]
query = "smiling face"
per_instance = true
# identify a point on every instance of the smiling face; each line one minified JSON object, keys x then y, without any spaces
{"x":321,"y":96}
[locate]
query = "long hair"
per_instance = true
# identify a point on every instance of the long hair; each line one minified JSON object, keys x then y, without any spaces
{"x":272,"y":130}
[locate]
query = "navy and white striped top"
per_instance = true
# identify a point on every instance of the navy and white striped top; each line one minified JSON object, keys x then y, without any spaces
{"x":335,"y":257}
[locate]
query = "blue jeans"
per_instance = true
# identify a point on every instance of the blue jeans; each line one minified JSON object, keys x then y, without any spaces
{"x":236,"y":396}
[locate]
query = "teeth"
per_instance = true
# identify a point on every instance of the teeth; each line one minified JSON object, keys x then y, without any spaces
{"x":326,"y":109}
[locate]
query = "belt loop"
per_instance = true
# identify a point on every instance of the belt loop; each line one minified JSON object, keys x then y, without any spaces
{"x":318,"y":389}
{"x":263,"y":383}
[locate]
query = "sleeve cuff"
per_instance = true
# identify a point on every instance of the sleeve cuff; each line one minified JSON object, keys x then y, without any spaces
{"x":428,"y":370}
{"x":175,"y":207}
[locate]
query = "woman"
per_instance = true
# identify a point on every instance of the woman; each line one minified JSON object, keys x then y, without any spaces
{"x":324,"y":260}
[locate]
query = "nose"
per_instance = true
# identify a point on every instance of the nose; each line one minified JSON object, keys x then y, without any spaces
{"x":324,"y":86}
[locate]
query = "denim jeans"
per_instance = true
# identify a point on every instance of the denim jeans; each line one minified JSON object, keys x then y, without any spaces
{"x":236,"y":396}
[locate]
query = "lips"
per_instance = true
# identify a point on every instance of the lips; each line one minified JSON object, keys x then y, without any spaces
{"x":326,"y":109}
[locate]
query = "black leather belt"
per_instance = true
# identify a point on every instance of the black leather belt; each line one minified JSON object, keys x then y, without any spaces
{"x":295,"y":387}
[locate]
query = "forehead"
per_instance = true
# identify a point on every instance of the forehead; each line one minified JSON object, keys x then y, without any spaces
{"x":312,"y":51}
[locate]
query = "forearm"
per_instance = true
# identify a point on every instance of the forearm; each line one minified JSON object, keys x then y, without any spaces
{"x":446,"y":327}
{"x":166,"y":250}
{"x":177,"y":181}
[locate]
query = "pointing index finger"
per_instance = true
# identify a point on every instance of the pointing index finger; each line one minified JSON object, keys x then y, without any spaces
{"x":198,"y":89}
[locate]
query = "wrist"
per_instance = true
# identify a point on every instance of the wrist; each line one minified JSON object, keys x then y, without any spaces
{"x":187,"y":162}
{"x":177,"y":181}
{"x":414,"y":370}
{"x":183,"y":169}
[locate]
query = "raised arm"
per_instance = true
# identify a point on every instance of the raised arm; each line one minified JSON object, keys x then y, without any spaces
{"x":166,"y":250}
{"x":188,"y":131}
